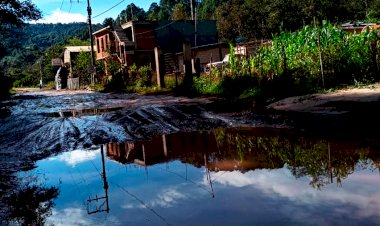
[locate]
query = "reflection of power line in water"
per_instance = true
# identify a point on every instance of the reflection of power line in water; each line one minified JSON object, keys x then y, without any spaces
{"x":193,"y":182}
{"x":142,"y":203}
{"x":77,"y":187}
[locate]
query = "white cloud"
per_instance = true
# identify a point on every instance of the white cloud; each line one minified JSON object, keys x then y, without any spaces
{"x":77,"y":216}
{"x":58,"y":16}
{"x":281,"y":183}
{"x":75,"y":157}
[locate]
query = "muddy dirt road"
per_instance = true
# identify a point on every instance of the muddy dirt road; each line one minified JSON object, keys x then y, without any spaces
{"x":38,"y":123}
{"x":35,"y":125}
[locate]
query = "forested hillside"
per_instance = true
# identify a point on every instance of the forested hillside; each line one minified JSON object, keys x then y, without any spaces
{"x":24,"y":45}
{"x":30,"y":49}
{"x":251,"y":19}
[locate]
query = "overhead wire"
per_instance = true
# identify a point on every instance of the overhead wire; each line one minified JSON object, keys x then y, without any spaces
{"x":60,"y":8}
{"x":71,"y":4}
{"x":108,"y":9}
{"x":156,"y":29}
{"x":163,"y":219}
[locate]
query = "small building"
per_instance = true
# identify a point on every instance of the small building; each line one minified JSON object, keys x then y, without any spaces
{"x":70,"y":54}
{"x":134,"y":42}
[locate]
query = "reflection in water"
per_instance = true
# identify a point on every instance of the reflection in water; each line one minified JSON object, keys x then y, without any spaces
{"x":221,"y":177}
{"x":27,"y":203}
{"x":323,"y":161}
{"x":104,"y":206}
{"x":83,"y":112}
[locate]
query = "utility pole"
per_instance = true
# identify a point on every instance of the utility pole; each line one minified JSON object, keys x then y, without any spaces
{"x":92,"y":43}
{"x":191,"y":9}
{"x":195,"y":24}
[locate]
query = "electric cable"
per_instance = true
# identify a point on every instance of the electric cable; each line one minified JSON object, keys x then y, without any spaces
{"x":108,"y":9}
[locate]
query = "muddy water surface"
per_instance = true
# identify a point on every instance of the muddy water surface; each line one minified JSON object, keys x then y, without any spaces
{"x":101,"y":159}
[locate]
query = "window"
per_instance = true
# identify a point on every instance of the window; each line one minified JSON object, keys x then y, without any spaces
{"x":97,"y":45}
{"x":107,"y":42}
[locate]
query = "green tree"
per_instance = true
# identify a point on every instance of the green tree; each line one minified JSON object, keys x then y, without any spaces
{"x":80,"y":68}
{"x":153,"y":11}
{"x":13,"y":13}
{"x":207,"y":9}
{"x":374,"y":9}
{"x":230,"y":19}
{"x":166,"y":9}
{"x":179,"y":12}
{"x":17,"y":13}
{"x":109,"y":22}
{"x":132,"y":12}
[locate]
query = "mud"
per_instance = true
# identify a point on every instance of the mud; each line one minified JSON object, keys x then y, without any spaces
{"x":37,"y":124}
{"x":40,"y":123}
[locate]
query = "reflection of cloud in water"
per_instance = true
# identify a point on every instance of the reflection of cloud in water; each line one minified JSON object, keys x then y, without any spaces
{"x":69,"y":216}
{"x":75,"y":157}
{"x":166,"y":198}
{"x":359,"y":192}
{"x":77,"y":216}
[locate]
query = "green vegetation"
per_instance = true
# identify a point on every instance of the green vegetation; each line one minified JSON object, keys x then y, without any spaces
{"x":321,"y":160}
{"x":311,"y":59}
{"x":256,"y":19}
{"x":29,"y":50}
{"x":14,"y":13}
{"x":135,"y":80}
{"x":302,"y":58}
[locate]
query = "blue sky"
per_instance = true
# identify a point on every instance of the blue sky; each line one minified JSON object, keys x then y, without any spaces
{"x":62,"y":11}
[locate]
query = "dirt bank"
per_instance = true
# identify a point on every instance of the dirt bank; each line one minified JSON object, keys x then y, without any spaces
{"x":346,"y":112}
{"x":329,"y":103}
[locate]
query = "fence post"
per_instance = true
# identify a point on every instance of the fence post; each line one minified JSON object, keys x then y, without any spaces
{"x":159,"y":71}
{"x":188,"y":79}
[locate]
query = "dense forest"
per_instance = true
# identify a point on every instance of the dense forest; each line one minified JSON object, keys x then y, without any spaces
{"x":252,"y":19}
{"x":28,"y":51}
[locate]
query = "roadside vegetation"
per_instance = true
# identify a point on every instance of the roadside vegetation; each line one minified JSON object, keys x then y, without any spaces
{"x":306,"y":54}
{"x":312,"y":59}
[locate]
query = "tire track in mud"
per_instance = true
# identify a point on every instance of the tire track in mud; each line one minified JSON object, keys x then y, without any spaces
{"x":50,"y":124}
{"x":34,"y":127}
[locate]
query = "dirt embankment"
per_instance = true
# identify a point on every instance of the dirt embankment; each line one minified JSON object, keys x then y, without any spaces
{"x":352,"y":111}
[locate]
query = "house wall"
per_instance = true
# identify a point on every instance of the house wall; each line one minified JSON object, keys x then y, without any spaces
{"x":144,"y":37}
{"x":104,"y":42}
{"x":204,"y":56}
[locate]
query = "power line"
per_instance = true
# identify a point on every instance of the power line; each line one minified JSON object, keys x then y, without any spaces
{"x":108,"y":9}
{"x":60,"y":8}
{"x":159,"y":28}
{"x":71,"y":4}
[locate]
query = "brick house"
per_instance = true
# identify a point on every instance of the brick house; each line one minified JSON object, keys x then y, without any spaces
{"x":134,"y":41}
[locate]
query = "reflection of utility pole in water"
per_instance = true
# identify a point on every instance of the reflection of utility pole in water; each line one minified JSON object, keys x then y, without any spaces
{"x":105,"y":186}
{"x":208,"y":176}
{"x":330,"y":169}
{"x":143,"y":161}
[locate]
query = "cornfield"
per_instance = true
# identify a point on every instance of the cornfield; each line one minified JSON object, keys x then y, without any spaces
{"x":314,"y":57}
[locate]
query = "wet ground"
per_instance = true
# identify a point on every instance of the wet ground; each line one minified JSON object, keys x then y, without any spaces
{"x":124,"y":159}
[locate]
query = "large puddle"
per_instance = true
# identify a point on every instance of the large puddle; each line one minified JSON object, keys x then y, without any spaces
{"x":219,"y":177}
